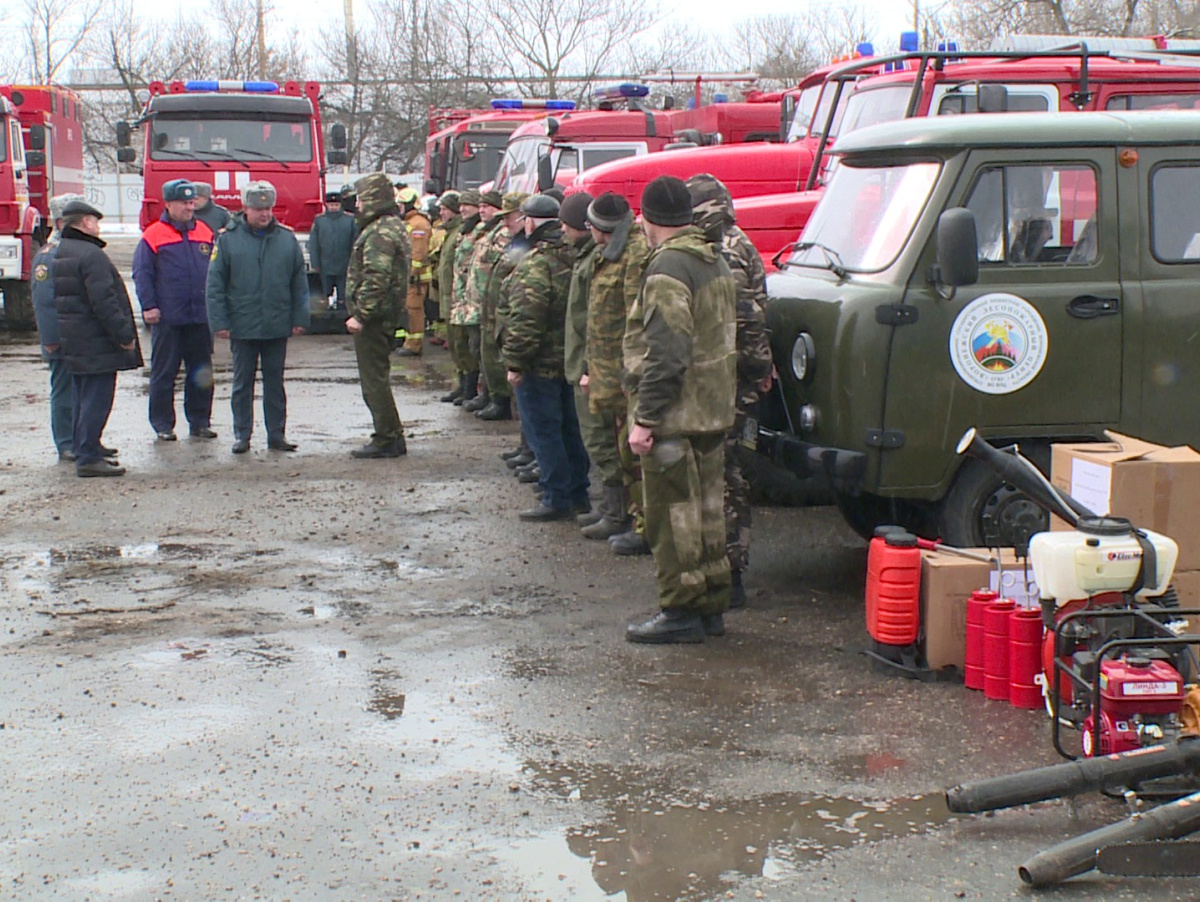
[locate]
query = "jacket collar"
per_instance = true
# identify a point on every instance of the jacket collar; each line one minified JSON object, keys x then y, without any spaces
{"x":72,"y":232}
{"x":178,"y":226}
{"x":620,"y":237}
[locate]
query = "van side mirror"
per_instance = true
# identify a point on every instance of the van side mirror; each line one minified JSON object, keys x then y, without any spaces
{"x":992,"y":99}
{"x":336,"y":157}
{"x":37,"y":137}
{"x":545,"y":172}
{"x":957,"y":251}
{"x":35,"y":159}
{"x":337,"y":136}
{"x":126,"y":155}
{"x":123,"y":134}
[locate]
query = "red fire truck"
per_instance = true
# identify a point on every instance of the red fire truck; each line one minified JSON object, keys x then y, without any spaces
{"x":1128,"y":74}
{"x":557,"y":148}
{"x":41,"y":154}
{"x":464,"y":147}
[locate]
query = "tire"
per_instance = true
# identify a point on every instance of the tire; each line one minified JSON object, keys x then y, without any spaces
{"x":776,"y":486}
{"x":18,"y":305}
{"x":981,"y":510}
{"x":865,"y":512}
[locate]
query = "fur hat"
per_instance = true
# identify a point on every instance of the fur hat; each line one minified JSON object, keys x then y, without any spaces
{"x":258,"y":195}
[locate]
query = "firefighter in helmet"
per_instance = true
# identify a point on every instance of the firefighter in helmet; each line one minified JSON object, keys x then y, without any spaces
{"x":419,"y":232}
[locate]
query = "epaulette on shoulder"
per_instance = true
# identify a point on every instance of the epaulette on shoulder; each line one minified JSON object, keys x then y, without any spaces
{"x":284,"y":225}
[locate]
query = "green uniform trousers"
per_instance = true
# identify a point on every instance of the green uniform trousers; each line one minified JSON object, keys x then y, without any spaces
{"x":495,"y":374}
{"x":631,"y":470}
{"x":599,"y":431}
{"x":372,"y":347}
{"x":460,"y":348}
{"x":684,"y":486}
{"x":737,"y":497}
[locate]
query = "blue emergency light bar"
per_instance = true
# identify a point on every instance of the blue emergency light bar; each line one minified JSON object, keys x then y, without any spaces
{"x":910,"y":42}
{"x":250,"y":87}
{"x":865,"y":48}
{"x":616,"y":92}
{"x":522,"y":104}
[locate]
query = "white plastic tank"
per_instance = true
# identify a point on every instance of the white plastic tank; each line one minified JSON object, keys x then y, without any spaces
{"x":1099,"y":557}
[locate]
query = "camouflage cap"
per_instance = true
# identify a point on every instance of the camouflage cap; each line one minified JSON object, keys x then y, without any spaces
{"x":712,"y":204}
{"x":59,"y":202}
{"x":469,"y":198}
{"x":258,"y":195}
{"x":492,"y":198}
{"x":375,"y":193}
{"x":450,"y":200}
{"x":512,"y":202}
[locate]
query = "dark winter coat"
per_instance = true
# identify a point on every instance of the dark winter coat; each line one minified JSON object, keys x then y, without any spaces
{"x":43,"y":299}
{"x":170,"y":267}
{"x":94,"y":314}
{"x":330,"y":241}
{"x":257,"y":286}
{"x":213,"y":215}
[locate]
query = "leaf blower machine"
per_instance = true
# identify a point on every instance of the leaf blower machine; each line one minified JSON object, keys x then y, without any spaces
{"x":1116,"y":655}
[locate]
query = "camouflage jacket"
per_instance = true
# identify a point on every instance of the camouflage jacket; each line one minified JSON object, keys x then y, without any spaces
{"x":536,"y":319}
{"x":444,"y":266}
{"x":584,"y":253}
{"x":482,"y":289}
{"x":518,"y":248}
{"x":460,"y":314}
{"x":680,"y":342}
{"x":616,"y":279}
{"x":753,"y":340}
{"x":377,"y":278}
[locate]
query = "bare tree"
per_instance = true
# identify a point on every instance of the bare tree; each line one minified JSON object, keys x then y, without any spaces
{"x":57,"y":28}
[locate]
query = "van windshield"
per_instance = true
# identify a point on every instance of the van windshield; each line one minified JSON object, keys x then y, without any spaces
{"x":806,"y":106}
{"x":476,"y":157}
{"x":519,"y":165}
{"x":865,"y":216}
{"x":874,"y":107}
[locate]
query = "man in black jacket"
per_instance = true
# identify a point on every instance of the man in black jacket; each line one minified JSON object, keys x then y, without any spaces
{"x":96,"y":330}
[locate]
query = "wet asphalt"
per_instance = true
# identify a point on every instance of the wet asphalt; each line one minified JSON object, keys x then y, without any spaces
{"x":303,"y":676}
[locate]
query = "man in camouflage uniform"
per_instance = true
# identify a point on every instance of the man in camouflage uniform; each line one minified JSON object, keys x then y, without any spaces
{"x":467,"y":310}
{"x":419,"y":275}
{"x":484,"y":289}
{"x":681,"y":373}
{"x":713,"y":210}
{"x":464,"y":343}
{"x":376,"y":284}
{"x":534,"y":335}
{"x":437,"y":238}
{"x":616,"y":280}
{"x":513,"y":243}
{"x":451,"y":221}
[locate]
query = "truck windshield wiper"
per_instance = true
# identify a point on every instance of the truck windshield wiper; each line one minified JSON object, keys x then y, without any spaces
{"x":185,"y":153}
{"x":224,"y":155}
{"x":832,"y":260}
{"x":260,"y":153}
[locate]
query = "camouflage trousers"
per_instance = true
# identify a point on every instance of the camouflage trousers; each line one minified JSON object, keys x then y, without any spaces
{"x":737,"y":498}
{"x":372,"y":349}
{"x":460,"y":348}
{"x":685,"y":524}
{"x":631,"y":470}
{"x":495,"y":375}
{"x":599,"y":431}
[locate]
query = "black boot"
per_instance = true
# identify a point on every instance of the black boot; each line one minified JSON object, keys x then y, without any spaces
{"x":498,"y":409}
{"x":670,"y":625}
{"x":737,"y":592}
{"x":470,"y":388}
{"x":454,"y":394}
{"x":480,"y":401}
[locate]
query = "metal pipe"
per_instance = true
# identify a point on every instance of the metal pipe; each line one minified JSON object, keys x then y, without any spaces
{"x":1078,"y":856}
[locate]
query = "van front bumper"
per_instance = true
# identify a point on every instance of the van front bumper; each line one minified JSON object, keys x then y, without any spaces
{"x":842,"y":469}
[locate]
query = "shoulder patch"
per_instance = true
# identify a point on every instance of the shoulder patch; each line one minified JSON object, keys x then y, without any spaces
{"x":41,"y":272}
{"x":213,"y":256}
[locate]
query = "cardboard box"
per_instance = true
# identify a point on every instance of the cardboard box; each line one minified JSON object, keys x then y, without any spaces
{"x":947,"y":581}
{"x":1187,"y":587}
{"x":1155,"y":487}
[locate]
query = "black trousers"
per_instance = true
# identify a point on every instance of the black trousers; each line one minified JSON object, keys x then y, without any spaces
{"x":248,"y":355}
{"x":192,"y":346}
{"x":92,"y":395}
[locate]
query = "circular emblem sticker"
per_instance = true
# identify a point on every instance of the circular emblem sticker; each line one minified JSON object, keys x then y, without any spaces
{"x":41,"y":272}
{"x":998,"y":343}
{"x":205,"y":249}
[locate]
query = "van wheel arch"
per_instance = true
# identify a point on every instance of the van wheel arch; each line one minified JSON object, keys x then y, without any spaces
{"x":981,"y":509}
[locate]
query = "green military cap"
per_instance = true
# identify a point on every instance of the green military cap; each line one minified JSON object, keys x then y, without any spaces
{"x":492,"y":198}
{"x":450,"y":200}
{"x":469,"y":198}
{"x":512,"y":202}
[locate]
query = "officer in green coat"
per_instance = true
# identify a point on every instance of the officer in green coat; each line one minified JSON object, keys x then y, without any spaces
{"x":376,"y":285}
{"x":680,"y":373}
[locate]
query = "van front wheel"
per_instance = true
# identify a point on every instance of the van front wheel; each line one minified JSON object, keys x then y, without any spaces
{"x":982,"y":510}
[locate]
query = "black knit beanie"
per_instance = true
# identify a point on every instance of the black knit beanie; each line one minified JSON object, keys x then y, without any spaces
{"x":573,"y":210}
{"x":607,"y":211}
{"x":667,"y":202}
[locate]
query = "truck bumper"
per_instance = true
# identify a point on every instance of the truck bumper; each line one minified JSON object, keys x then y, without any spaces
{"x":842,"y":469}
{"x":10,"y":257}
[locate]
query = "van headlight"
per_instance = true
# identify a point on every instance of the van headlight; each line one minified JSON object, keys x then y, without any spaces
{"x":802,"y":356}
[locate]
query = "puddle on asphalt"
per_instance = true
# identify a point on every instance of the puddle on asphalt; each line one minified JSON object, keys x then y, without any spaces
{"x":659,"y":844}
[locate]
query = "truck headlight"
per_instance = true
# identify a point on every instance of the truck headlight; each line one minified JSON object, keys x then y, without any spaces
{"x":10,"y":252}
{"x":802,"y":356}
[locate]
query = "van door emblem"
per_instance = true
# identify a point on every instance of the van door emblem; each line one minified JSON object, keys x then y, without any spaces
{"x":998,"y":343}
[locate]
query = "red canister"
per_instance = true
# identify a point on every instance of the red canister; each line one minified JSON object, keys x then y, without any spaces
{"x":995,"y":649}
{"x":893,"y":587}
{"x":1024,"y":657}
{"x":976,"y":606}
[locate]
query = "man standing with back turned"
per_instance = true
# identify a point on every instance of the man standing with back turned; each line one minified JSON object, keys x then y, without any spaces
{"x":170,"y":268}
{"x":680,"y":371}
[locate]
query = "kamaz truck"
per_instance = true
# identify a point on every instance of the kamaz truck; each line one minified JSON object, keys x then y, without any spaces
{"x":41,"y":155}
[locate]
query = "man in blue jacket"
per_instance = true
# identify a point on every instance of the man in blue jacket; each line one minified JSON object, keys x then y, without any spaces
{"x":329,"y":244}
{"x":257,"y":297}
{"x":170,"y":268}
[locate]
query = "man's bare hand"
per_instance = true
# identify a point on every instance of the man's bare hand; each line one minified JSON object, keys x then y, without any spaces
{"x":151,"y":316}
{"x":221,"y":333}
{"x":298,"y":330}
{"x":514,"y":379}
{"x":128,"y":347}
{"x":641,"y":439}
{"x":353,"y":326}
{"x":583,"y":382}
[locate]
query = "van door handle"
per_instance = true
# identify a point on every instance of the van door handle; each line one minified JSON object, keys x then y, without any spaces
{"x":1088,"y":306}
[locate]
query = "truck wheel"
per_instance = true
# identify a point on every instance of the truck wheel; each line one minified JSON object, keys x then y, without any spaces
{"x":18,"y":305}
{"x":981,"y":509}
{"x":773,"y":485}
{"x":864,"y":512}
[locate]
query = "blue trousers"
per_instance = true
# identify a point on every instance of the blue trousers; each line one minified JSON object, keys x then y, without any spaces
{"x":248,"y":354}
{"x":551,"y":426}
{"x":192,"y":346}
{"x":92,"y":395}
{"x":61,"y":406}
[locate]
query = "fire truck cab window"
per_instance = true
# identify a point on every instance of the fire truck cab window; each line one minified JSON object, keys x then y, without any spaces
{"x":1175,"y":213}
{"x":1035,"y":214}
{"x":1154,"y":102}
{"x":289,"y":142}
{"x":959,"y":104}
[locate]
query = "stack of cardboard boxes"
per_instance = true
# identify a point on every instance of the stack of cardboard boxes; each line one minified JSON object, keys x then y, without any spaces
{"x":1155,"y":487}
